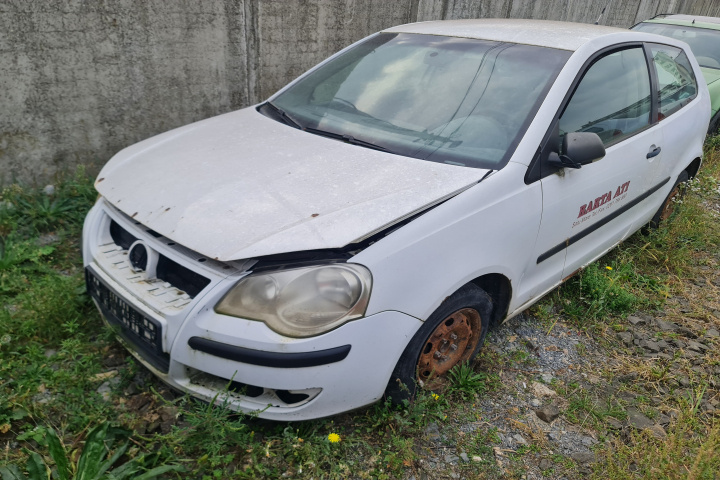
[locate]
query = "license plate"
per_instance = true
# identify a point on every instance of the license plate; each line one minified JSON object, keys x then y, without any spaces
{"x":143,"y":332}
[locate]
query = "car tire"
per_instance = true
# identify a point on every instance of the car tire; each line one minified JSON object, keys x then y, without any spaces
{"x":668,"y":206}
{"x":453,"y":334}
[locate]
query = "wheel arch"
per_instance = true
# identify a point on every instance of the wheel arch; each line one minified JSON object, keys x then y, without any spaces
{"x":693,"y":168}
{"x":499,"y":288}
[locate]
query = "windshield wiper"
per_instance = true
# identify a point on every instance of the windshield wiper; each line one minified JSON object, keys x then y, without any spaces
{"x":283,"y":115}
{"x":346,"y":138}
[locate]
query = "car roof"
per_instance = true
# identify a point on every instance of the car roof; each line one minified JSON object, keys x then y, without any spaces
{"x":687,"y":20}
{"x":543,"y":33}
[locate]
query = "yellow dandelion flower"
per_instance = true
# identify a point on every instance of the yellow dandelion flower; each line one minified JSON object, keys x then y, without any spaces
{"x":436,"y":396}
{"x":609,"y":268}
{"x":333,"y":438}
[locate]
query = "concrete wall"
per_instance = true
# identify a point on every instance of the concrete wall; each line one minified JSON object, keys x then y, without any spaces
{"x":81,"y":79}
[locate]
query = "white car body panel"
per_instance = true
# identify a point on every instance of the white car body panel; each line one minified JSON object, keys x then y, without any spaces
{"x":236,"y":186}
{"x":242,"y":186}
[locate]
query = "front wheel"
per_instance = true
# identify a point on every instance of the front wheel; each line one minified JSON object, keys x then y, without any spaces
{"x":667,"y":209}
{"x":452,"y":335}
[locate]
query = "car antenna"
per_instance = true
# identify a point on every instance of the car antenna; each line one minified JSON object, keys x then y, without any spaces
{"x":597,"y":22}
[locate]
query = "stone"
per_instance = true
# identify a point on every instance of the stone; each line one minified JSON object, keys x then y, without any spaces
{"x":451,"y":459}
{"x":697,"y":346}
{"x":650,"y":345}
{"x":548,"y":413}
{"x":542,"y":390}
{"x":662,"y":419}
{"x":477,"y":458}
{"x":433,"y":432}
{"x":50,"y":352}
{"x":658,"y":431}
{"x":638,"y":420}
{"x":545,"y":464}
{"x":535,"y":403}
{"x":583,"y":457}
{"x":626,"y":338}
{"x":614,"y":423}
{"x":636,"y":320}
{"x":49,"y":190}
{"x":547,"y":378}
{"x":464,"y":457}
{"x":712,"y":333}
{"x":666,"y":326}
{"x":519,"y":439}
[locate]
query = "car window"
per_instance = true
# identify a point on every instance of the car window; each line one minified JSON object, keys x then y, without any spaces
{"x":676,"y":81}
{"x":454,"y":100}
{"x":704,"y":43}
{"x":612,"y":99}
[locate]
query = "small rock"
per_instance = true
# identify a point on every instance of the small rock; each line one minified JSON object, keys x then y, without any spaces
{"x":545,"y":464}
{"x":588,"y":441}
{"x":658,"y":431}
{"x":535,"y":403}
{"x":666,"y":326}
{"x":547,"y":378}
{"x":433,"y":432}
{"x":583,"y":457}
{"x":548,"y":413}
{"x":451,"y":459}
{"x":697,"y":346}
{"x":541,"y":390}
{"x":626,"y":338}
{"x":519,"y":439}
{"x":686,"y":332}
{"x":49,"y":190}
{"x":683,"y":380}
{"x":614,"y":423}
{"x":663,"y":419}
{"x":712,"y":333}
{"x":638,"y":420}
{"x":636,"y":320}
{"x":650,"y":345}
{"x":464,"y":457}
{"x":50,"y":352}
{"x":477,"y":458}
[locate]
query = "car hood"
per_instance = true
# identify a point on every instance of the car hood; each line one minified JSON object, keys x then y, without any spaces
{"x":241,"y":185}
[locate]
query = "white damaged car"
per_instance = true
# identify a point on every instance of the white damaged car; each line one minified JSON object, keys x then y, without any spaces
{"x":358,"y":233}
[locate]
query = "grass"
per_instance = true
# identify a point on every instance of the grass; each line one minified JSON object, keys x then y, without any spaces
{"x":55,"y":353}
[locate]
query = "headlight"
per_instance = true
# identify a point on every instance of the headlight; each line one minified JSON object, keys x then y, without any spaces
{"x":301,"y":302}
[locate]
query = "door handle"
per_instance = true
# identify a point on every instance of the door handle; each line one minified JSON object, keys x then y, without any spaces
{"x":654,"y":152}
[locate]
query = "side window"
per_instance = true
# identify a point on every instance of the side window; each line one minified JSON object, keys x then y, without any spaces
{"x":676,"y":81}
{"x":612,"y":99}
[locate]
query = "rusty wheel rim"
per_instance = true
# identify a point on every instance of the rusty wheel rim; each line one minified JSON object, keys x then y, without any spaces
{"x":452,"y":342}
{"x":669,"y":207}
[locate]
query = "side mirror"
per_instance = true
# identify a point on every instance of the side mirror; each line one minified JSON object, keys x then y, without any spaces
{"x":580,"y":149}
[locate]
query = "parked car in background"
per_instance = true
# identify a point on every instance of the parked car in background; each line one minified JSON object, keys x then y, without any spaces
{"x":703,"y":36}
{"x":357,"y":234}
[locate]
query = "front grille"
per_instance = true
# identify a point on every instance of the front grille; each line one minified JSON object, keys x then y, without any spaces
{"x":180,"y":277}
{"x":142,"y":332}
{"x":168,"y":270}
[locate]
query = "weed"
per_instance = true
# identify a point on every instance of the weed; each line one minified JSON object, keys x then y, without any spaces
{"x":466,"y":382}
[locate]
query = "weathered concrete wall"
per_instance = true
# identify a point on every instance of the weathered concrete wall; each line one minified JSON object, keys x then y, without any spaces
{"x":81,"y":79}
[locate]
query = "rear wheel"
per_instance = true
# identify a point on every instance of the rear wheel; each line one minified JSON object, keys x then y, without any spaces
{"x":667,"y":209}
{"x":452,"y":335}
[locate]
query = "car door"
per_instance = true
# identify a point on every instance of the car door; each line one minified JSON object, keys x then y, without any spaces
{"x":589,"y":209}
{"x":677,"y":87}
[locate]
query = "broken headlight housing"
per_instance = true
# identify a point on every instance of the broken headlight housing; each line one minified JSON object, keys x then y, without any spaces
{"x":301,"y":302}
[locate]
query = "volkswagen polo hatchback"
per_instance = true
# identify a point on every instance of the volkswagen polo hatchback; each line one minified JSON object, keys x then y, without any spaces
{"x":355,"y":235}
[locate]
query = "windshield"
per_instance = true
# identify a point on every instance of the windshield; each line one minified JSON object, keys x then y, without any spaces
{"x":444,"y":99}
{"x":704,"y":43}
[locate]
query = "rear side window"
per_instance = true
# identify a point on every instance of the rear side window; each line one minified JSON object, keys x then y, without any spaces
{"x":612,"y":99}
{"x":676,"y":82}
